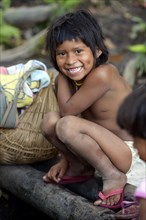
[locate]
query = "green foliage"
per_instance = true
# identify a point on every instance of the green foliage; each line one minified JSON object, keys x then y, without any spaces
{"x":138,"y":48}
{"x":10,"y":36}
{"x":140,"y":64}
{"x":142,"y":2}
{"x":139,"y":27}
{"x":64,"y":6}
{"x":140,"y":58}
{"x":6,"y":4}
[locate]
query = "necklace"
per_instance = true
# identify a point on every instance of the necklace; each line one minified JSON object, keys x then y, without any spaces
{"x":78,"y":84}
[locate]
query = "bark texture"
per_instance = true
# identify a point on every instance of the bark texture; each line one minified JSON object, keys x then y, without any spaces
{"x":58,"y":202}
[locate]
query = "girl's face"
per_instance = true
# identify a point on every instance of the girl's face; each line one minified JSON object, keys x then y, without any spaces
{"x":75,"y":59}
{"x":140,"y":144}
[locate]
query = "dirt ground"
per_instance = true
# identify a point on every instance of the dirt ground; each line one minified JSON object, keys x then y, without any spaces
{"x":116,"y":22}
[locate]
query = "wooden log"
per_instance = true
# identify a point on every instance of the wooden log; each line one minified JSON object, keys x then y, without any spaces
{"x":25,"y":51}
{"x":26,"y":17}
{"x":73,"y":201}
{"x":56,"y":201}
{"x":88,"y":189}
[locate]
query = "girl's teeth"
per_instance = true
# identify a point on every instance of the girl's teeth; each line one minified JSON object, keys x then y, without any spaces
{"x":74,"y":70}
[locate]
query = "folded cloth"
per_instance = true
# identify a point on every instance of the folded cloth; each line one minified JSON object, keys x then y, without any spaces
{"x":38,"y":80}
{"x":141,"y":190}
{"x":9,"y":83}
{"x":31,"y":64}
{"x":35,"y":77}
{"x":3,"y":70}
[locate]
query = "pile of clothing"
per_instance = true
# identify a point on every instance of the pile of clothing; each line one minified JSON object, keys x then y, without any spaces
{"x":19,"y":87}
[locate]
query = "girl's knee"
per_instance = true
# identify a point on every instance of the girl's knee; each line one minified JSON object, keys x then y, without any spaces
{"x":48,"y":122}
{"x":65,"y":127}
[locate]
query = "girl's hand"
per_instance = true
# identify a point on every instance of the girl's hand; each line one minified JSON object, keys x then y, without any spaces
{"x":57,"y":171}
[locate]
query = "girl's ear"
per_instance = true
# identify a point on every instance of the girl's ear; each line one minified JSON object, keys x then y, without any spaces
{"x":98,"y":52}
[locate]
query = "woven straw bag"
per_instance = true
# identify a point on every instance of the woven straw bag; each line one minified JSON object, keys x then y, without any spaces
{"x":25,"y":143}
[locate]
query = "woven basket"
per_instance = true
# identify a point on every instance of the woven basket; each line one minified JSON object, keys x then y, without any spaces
{"x":25,"y":143}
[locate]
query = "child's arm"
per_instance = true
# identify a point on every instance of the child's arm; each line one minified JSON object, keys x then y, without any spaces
{"x":72,"y":102}
{"x":64,"y":89}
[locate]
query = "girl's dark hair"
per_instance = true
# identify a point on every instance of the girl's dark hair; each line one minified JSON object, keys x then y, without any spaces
{"x":76,"y":25}
{"x":132,"y":113}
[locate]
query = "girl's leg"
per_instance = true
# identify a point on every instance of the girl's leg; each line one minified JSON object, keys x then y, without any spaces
{"x":84,"y":138}
{"x":100,"y":148}
{"x":48,"y":127}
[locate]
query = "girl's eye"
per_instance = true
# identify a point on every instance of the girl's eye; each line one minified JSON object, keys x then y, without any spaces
{"x":78,"y":51}
{"x":60,"y":53}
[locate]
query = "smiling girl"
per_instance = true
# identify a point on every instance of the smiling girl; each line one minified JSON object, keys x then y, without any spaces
{"x":89,"y":91}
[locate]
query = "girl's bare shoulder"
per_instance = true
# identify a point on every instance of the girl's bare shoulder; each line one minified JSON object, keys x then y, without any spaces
{"x":105,"y":72}
{"x":108,"y":67}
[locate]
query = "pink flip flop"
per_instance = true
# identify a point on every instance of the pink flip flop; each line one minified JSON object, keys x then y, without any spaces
{"x":70,"y":179}
{"x":112,"y":193}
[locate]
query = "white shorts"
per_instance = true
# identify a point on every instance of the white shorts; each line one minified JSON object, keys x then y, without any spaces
{"x":137,"y":171}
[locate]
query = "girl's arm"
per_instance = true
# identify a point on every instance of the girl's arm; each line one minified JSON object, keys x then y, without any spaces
{"x":64,"y":89}
{"x":72,"y":102}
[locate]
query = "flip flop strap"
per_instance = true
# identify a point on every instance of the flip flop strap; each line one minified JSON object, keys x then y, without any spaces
{"x":112,"y":193}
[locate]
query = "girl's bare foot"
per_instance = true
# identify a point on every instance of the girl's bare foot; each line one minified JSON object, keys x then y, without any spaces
{"x":112,"y":186}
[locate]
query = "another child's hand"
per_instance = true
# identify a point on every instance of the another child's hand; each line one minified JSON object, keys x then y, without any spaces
{"x":57,"y":171}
